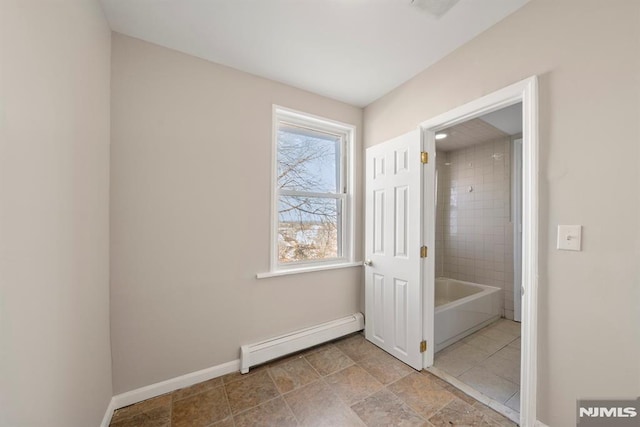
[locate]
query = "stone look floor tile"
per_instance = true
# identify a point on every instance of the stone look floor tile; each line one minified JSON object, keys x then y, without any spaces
{"x":316,"y":405}
{"x":357,"y":347}
{"x":353,"y":384}
{"x":316,"y":387}
{"x":385,"y":409}
{"x":493,"y":416}
{"x":458,"y":413}
{"x":489,"y":384}
{"x":385,"y":368}
{"x":422,"y":394}
{"x":138,"y":408}
{"x":227,"y":422}
{"x":157,"y":417}
{"x":201,"y":409}
{"x":235,"y":376}
{"x":196,"y":388}
{"x":329,"y":360}
{"x":292,"y":374}
{"x":451,"y":389}
{"x":272,"y":413}
{"x":250,"y":391}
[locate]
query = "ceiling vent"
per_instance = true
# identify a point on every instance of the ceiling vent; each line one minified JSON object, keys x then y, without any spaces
{"x":435,"y":7}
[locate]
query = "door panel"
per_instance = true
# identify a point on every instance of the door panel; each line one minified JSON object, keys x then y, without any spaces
{"x":393,"y":230}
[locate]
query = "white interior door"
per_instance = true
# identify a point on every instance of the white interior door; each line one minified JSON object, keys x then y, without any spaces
{"x":393,"y":230}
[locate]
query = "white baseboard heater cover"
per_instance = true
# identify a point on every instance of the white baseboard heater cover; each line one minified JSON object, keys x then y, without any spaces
{"x":255,"y":354}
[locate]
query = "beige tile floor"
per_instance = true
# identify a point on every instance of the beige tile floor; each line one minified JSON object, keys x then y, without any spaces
{"x":488,"y":361}
{"x":349,"y":382}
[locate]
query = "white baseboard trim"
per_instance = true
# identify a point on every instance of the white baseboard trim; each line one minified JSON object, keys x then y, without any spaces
{"x":264,"y":351}
{"x":138,"y":395}
{"x":106,"y":420}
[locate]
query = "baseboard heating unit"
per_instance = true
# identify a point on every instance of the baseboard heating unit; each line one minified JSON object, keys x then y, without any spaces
{"x":255,"y":354}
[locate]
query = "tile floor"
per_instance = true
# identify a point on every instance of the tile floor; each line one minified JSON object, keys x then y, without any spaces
{"x":488,"y":361}
{"x":349,"y":382}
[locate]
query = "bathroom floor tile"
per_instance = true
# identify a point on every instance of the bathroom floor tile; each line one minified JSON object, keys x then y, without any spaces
{"x":139,"y":408}
{"x":517,"y":343}
{"x":201,"y":409}
{"x":489,"y":384}
{"x":458,"y":413}
{"x":514,"y":402}
{"x":157,"y":417}
{"x":483,"y":343}
{"x":272,"y":413}
{"x":493,"y":417}
{"x":316,"y":405}
{"x":460,"y":359}
{"x":349,"y":382}
{"x":508,"y":326}
{"x":292,"y":374}
{"x":328,"y":360}
{"x":251,"y":391}
{"x":357,"y":347}
{"x":385,"y":368}
{"x":502,"y":337}
{"x":353,"y":384}
{"x":385,"y":409}
{"x":422,"y":394}
{"x":505,"y":363}
{"x":197,"y":388}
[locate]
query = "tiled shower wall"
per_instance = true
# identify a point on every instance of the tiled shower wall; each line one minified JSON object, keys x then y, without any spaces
{"x":474,"y":232}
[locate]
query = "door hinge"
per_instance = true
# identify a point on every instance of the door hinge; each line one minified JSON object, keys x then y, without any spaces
{"x":423,"y":252}
{"x":424,"y":157}
{"x":423,"y":346}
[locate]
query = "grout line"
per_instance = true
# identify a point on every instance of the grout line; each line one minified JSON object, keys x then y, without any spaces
{"x":171,"y":410}
{"x":290,"y":409}
{"x":226,"y":398}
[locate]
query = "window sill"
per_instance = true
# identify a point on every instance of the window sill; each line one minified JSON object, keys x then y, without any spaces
{"x":308,"y":269}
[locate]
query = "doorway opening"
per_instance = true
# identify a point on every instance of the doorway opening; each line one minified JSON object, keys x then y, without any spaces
{"x":477,"y":282}
{"x":480,"y":217}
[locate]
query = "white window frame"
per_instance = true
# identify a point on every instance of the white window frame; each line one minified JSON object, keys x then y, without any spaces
{"x":347,"y":133}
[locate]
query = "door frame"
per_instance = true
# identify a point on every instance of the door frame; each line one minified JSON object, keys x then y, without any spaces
{"x":525,"y":91}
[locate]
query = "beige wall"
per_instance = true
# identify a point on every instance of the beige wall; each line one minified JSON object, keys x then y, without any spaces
{"x":587,"y":56}
{"x":55,"y":363}
{"x":190,"y":216}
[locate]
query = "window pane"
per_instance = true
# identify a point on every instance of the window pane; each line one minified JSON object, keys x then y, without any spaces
{"x":308,"y":228}
{"x":308,"y":160}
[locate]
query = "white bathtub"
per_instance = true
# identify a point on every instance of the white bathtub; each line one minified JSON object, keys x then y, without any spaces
{"x":463,"y":308}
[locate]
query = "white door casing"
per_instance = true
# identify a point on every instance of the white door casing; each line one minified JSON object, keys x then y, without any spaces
{"x":525,"y":91}
{"x":393,"y":230}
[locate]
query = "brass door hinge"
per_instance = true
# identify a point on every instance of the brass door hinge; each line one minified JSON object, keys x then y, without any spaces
{"x":423,"y":346}
{"x":423,"y":252}
{"x":424,"y":157}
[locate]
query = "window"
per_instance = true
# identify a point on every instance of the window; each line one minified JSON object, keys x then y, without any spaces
{"x":312,"y":191}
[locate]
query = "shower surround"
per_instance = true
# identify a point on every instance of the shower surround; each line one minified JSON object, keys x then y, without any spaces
{"x":474,"y":232}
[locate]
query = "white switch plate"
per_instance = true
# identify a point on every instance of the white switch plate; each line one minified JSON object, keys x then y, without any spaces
{"x":569,"y":237}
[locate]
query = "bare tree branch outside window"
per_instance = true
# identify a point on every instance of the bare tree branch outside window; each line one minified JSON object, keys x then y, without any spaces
{"x":309,"y":202}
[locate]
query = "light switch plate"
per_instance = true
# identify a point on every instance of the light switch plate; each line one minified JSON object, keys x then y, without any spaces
{"x":569,"y":237}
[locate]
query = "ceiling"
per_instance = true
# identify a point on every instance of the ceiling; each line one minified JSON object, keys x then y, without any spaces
{"x":350,"y":50}
{"x":471,"y":132}
{"x":498,"y":124}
